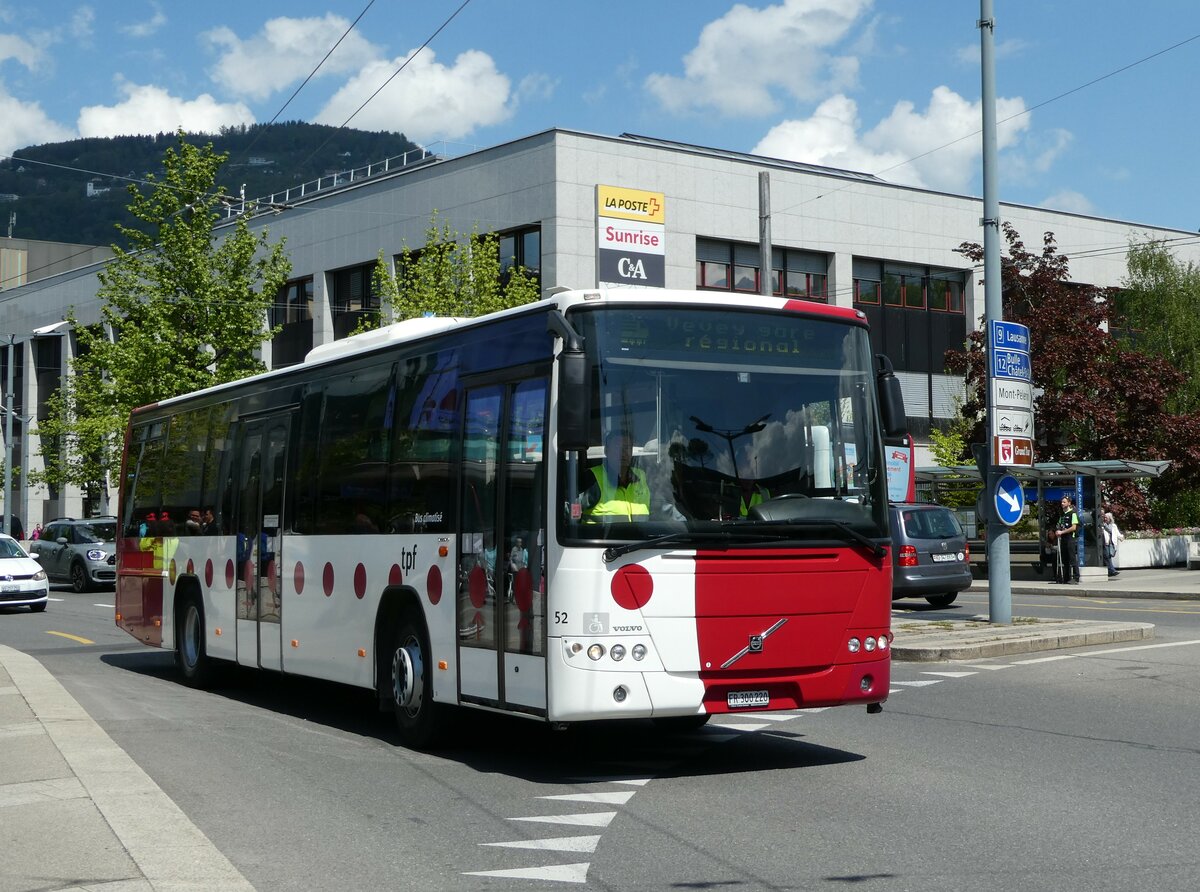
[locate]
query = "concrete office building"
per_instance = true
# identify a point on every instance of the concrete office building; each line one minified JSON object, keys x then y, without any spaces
{"x":839,"y":236}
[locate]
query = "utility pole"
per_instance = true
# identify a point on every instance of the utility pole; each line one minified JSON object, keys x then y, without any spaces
{"x":998,"y":551}
{"x":764,"y":233}
{"x":5,"y":523}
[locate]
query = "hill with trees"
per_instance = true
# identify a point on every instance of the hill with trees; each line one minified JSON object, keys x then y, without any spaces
{"x":76,"y":191}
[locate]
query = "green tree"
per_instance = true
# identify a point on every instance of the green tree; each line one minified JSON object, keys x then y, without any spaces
{"x":448,"y":276}
{"x":1097,"y":398}
{"x":1158,"y":302}
{"x":183,"y":308}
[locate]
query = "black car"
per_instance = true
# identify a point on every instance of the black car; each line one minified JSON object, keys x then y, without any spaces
{"x":930,"y":555}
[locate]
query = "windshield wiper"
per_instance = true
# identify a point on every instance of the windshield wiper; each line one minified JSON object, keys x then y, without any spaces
{"x":742,"y":535}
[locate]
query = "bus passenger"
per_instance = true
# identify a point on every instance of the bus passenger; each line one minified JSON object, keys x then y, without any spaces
{"x":619,"y":490}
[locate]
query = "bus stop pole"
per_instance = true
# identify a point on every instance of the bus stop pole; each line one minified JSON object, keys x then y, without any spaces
{"x":998,"y":553}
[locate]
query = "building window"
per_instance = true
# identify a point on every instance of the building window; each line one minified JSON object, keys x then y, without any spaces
{"x":352,"y":291}
{"x":914,"y":292}
{"x":521,"y":247}
{"x":728,"y":266}
{"x":867,"y":291}
{"x":712,"y":276}
{"x":293,"y":303}
{"x":945,"y":295}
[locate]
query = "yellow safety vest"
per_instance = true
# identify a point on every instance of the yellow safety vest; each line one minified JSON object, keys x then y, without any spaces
{"x":630,"y":501}
{"x":756,"y":498}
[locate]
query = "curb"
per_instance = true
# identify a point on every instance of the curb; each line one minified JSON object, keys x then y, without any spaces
{"x":936,"y":646}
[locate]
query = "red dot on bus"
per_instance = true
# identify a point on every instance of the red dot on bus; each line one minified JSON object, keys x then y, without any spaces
{"x":477,"y":584}
{"x":632,"y":587}
{"x":208,"y":572}
{"x":172,"y":571}
{"x":360,"y":581}
{"x":248,"y":575}
{"x":433,"y":585}
{"x":395,"y":577}
{"x":272,"y":578}
{"x":191,"y":567}
{"x":523,"y":590}
{"x":229,"y":574}
{"x":327,"y":579}
{"x":298,"y":578}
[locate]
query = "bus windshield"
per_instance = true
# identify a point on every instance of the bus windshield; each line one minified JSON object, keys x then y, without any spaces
{"x":720,"y":426}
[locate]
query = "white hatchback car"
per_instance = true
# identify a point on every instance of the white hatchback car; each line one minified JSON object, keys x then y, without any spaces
{"x":23,"y":582}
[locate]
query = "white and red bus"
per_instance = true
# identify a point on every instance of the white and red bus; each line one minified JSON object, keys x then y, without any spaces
{"x":406,"y":512}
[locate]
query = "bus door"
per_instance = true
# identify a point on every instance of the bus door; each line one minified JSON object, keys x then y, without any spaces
{"x":501,"y":594}
{"x":262,"y":459}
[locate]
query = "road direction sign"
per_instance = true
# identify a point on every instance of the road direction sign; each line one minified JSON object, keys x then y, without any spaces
{"x":1012,"y":394}
{"x":1013,"y":423}
{"x":1010,"y":500}
{"x":1009,"y":336}
{"x":1011,"y":364}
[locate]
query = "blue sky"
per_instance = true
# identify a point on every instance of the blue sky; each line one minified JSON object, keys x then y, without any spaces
{"x":889,"y":87}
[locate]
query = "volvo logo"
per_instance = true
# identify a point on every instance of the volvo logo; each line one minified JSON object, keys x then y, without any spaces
{"x":755,"y":645}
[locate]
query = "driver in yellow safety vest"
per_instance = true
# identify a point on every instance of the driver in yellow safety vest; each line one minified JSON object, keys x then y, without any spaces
{"x":758,"y":495}
{"x":619,"y":491}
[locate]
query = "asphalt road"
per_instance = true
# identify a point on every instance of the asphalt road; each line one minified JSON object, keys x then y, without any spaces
{"x":1059,"y":771}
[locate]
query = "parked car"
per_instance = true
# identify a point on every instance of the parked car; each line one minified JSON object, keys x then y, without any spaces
{"x":81,"y":552}
{"x":930,"y":555}
{"x":22,"y":580}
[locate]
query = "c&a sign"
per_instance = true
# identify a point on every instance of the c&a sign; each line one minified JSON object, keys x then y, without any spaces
{"x":630,"y":238}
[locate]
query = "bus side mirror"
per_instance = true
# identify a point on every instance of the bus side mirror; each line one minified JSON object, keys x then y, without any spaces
{"x":574,"y":392}
{"x":891,"y":398}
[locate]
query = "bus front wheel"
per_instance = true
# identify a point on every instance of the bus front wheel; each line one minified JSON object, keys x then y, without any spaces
{"x":417,"y":716}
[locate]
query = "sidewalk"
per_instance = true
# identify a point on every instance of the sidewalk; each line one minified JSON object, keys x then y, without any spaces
{"x":76,"y":813}
{"x":931,"y":638}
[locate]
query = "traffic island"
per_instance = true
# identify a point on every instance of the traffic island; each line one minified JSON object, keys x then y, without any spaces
{"x":931,"y":641}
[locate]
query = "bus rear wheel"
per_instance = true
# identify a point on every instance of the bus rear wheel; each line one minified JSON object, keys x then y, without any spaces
{"x":419,"y":719}
{"x":191,"y":655}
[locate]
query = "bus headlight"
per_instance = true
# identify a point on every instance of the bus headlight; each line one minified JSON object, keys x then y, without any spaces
{"x":617,"y":652}
{"x":596,"y":651}
{"x":854,"y":644}
{"x":639,"y":652}
{"x":869,"y":644}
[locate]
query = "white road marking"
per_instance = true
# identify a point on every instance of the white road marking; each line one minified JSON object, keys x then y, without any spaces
{"x":586,"y":819}
{"x":559,"y":873}
{"x":951,"y":674}
{"x":746,"y":729}
{"x":555,"y":844}
{"x":606,"y":798}
{"x":923,"y":683}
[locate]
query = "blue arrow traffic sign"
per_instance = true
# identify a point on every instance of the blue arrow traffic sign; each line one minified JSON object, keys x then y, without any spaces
{"x":1010,"y":500}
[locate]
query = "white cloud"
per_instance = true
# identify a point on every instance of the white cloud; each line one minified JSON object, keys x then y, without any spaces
{"x":25,"y":124}
{"x":940,"y":144}
{"x":745,"y":56}
{"x":14,"y":47}
{"x":285,"y":51}
{"x":1070,"y":201}
{"x":81,"y":23}
{"x":149,"y":109}
{"x":147,"y":27}
{"x":427,"y":100}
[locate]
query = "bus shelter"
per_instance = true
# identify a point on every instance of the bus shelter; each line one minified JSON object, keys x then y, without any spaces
{"x":1082,"y":479}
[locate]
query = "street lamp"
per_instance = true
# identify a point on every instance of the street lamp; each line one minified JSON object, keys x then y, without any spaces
{"x":730,"y":435}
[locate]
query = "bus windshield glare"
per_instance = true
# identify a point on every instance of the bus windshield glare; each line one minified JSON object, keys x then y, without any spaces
{"x":747,"y":424}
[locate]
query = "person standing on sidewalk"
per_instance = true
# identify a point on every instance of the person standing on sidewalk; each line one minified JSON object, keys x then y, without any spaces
{"x":1112,"y":541}
{"x":1064,"y":535}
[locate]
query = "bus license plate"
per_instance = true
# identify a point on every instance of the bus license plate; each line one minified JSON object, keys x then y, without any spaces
{"x":744,"y":699}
